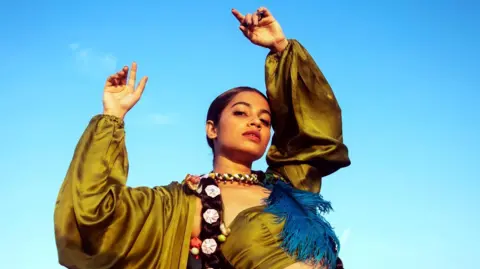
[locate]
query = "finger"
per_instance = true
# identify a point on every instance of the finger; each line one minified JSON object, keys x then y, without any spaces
{"x":140,"y":88}
{"x":264,"y":12}
{"x":133,"y":76}
{"x":109,"y":81}
{"x":247,"y":33}
{"x":255,"y":18}
{"x":238,"y":15}
{"x":116,"y":81}
{"x":122,"y":78}
{"x":123,"y":75}
{"x":243,"y":29}
{"x":244,"y":22}
{"x":248,"y":20}
{"x":122,"y":72}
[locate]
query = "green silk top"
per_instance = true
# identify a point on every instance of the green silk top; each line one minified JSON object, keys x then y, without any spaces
{"x":101,"y":223}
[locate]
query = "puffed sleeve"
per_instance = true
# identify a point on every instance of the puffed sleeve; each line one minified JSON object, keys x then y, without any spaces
{"x":101,"y":223}
{"x":308,"y":141}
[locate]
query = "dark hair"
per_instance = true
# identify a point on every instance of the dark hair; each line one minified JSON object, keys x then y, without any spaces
{"x":218,"y":105}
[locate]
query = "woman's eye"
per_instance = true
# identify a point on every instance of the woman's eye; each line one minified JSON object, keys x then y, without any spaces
{"x":266,"y":122}
{"x":239,"y":113}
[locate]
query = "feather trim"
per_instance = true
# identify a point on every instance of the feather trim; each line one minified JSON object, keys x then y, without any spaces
{"x":306,"y":234}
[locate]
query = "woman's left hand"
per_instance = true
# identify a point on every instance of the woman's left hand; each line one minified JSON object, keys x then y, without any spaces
{"x":262,"y":29}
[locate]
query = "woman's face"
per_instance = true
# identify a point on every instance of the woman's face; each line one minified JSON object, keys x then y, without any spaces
{"x":243,"y":131}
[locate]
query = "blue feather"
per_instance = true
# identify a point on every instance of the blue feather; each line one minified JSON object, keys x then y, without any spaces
{"x":306,"y":234}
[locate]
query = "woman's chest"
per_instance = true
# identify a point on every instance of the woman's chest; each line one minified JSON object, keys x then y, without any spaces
{"x":235,"y":201}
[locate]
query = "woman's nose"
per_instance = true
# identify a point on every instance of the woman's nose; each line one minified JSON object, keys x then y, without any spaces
{"x":256,"y":122}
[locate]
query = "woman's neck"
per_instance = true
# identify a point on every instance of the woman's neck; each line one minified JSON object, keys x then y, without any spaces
{"x":223,"y":165}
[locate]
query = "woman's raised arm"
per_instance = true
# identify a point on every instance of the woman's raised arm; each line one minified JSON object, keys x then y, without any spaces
{"x":102,"y":223}
{"x":308,"y":142}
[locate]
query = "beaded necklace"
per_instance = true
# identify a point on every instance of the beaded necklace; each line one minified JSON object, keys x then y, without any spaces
{"x":240,"y":178}
{"x":253,"y":179}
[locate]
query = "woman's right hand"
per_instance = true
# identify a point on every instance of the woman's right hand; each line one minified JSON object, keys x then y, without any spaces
{"x":118,"y":95}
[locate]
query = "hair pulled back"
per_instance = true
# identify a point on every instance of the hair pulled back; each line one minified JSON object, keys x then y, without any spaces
{"x":220,"y":103}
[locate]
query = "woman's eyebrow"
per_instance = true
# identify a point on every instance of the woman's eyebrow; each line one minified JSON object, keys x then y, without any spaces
{"x":247,"y":104}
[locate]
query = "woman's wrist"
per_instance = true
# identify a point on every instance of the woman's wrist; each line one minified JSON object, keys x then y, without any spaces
{"x":117,"y":114}
{"x":279,"y":46}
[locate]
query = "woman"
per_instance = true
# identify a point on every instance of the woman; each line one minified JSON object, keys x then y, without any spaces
{"x":258,"y":220}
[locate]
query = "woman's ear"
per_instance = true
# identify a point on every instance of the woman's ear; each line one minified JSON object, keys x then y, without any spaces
{"x":211,"y":129}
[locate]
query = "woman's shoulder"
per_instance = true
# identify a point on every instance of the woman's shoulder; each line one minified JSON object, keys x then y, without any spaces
{"x":177,"y":191}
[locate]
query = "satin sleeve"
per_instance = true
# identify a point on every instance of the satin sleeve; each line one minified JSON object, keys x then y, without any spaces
{"x":102,"y":223}
{"x":308,"y":141}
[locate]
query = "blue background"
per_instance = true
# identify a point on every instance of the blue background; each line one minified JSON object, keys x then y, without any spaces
{"x":406,"y":74}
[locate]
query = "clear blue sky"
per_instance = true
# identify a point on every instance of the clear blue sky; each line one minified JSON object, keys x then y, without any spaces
{"x":406,"y":75}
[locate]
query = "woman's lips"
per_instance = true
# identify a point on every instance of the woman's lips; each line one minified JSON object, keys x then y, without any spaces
{"x":253,"y":136}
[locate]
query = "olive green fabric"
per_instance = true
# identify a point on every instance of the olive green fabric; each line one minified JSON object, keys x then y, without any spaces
{"x":308,"y":142}
{"x":254,"y":241}
{"x":101,"y":223}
